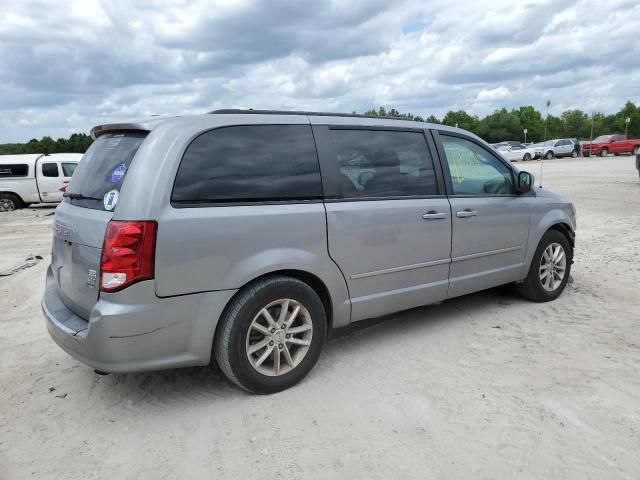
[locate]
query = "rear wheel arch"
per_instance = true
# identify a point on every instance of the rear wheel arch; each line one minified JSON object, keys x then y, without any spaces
{"x":310,"y":279}
{"x":15,"y":198}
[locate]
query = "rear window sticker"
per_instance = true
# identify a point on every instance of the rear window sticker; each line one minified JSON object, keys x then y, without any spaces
{"x":110,"y":199}
{"x":118,"y":173}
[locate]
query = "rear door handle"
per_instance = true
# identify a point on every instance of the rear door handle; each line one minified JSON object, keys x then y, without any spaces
{"x":434,"y":216}
{"x":466,"y":213}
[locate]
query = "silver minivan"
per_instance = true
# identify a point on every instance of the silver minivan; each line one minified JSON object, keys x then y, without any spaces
{"x":249,"y":235}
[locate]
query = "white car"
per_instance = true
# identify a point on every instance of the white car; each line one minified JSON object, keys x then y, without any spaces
{"x":34,"y":178}
{"x":515,"y":154}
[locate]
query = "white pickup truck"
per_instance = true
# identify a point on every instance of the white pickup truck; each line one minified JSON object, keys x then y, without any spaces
{"x":34,"y":178}
{"x":524,"y":152}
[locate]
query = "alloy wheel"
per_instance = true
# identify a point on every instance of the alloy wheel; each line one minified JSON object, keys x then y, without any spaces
{"x":279,"y":337}
{"x":553,"y":266}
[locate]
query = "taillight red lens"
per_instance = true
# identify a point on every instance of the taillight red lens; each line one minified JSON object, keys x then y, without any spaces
{"x":128,"y":254}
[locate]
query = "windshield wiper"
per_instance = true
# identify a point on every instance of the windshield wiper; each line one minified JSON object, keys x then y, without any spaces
{"x":78,"y":196}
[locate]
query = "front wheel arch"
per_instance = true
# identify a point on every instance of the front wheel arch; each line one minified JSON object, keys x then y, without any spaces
{"x":566,"y":231}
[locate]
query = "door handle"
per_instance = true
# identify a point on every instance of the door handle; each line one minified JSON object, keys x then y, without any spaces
{"x":432,"y":215}
{"x":467,"y":213}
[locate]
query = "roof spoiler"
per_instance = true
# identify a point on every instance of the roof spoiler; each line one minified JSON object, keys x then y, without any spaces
{"x":110,"y":127}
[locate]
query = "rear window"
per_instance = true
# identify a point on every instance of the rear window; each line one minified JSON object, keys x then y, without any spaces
{"x":19,"y":170}
{"x":104,"y":167}
{"x":50,"y":170}
{"x":249,"y":164}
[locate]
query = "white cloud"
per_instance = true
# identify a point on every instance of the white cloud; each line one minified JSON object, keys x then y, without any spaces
{"x":99,"y":60}
{"x":498,"y":93}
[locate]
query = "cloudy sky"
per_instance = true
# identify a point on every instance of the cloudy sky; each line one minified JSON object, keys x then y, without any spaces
{"x":66,"y":66}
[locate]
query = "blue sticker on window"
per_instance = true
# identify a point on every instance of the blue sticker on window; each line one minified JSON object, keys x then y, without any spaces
{"x":118,"y":173}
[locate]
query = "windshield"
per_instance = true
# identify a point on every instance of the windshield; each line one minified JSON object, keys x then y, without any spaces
{"x":103,"y":168}
{"x":601,"y":138}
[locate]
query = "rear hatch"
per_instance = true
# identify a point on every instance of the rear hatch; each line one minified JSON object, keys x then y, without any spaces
{"x":81,"y":220}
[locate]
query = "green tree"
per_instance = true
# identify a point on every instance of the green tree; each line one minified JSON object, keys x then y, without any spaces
{"x":532,"y":120}
{"x":500,"y":125}
{"x":462,"y":119}
{"x":576,"y":124}
{"x":77,"y":143}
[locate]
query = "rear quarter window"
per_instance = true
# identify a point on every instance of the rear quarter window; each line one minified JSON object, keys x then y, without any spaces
{"x":103,"y":167}
{"x":254,"y":163}
{"x":17,"y":170}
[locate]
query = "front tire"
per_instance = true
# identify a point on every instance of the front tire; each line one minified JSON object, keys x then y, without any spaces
{"x":550,"y":268}
{"x":271,"y":334}
{"x":574,"y":153}
{"x":527,"y":157}
{"x":604,"y":152}
{"x":549,"y":155}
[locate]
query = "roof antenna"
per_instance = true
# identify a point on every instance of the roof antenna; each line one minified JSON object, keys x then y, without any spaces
{"x":541,"y":165}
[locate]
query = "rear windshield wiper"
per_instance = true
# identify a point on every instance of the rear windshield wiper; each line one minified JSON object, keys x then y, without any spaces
{"x":78,"y":196}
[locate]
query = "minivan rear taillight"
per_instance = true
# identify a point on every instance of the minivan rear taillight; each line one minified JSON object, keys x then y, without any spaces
{"x":127,"y":254}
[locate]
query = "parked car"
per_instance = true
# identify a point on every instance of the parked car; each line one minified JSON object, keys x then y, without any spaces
{"x":638,"y":162}
{"x":246,"y":236}
{"x":606,"y":144}
{"x":512,"y":143}
{"x":562,"y":147}
{"x":37,"y":178}
{"x":524,"y":153}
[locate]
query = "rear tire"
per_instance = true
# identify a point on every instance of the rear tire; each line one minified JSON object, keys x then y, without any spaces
{"x":536,"y":286}
{"x":10,"y":202}
{"x":247,"y":339}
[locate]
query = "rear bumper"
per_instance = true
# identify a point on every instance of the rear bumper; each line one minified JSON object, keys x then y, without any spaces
{"x":134,"y":330}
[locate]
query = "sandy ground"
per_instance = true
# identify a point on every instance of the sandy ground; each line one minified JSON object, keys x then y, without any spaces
{"x":485,"y":386}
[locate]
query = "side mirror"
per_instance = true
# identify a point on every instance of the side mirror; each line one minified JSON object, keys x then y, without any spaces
{"x":525,"y":182}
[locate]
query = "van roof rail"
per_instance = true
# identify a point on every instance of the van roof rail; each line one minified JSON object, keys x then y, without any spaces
{"x":300,"y":112}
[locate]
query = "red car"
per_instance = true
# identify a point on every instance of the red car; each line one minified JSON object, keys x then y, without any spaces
{"x":606,"y":144}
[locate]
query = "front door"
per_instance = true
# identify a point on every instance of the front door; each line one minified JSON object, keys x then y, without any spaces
{"x":565,"y":147}
{"x":490,"y":220}
{"x":389,"y":225}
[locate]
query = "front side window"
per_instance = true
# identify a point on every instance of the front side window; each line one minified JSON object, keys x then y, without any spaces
{"x":250,"y":163}
{"x":475,"y":171}
{"x":380,"y":163}
{"x":49,"y":169}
